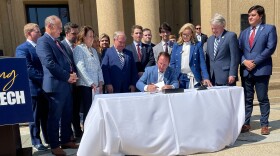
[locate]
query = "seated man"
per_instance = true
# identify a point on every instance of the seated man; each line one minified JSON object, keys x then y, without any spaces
{"x":157,"y":74}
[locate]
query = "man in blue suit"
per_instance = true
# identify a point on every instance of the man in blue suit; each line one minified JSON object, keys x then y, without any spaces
{"x":223,"y":55}
{"x":257,"y":43}
{"x":155,"y":74}
{"x":118,"y":67}
{"x":142,"y":53}
{"x":35,"y":74}
{"x":57,"y":80}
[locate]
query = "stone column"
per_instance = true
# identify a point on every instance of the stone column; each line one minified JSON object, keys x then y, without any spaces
{"x":147,"y":15}
{"x":110,"y":17}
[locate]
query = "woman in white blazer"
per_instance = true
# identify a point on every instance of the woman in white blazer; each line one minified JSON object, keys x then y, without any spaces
{"x":88,"y":66}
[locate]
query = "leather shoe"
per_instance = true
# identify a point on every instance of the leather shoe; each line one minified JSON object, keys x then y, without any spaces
{"x":58,"y":152}
{"x":245,"y":128}
{"x":69,"y":145}
{"x":265,"y":130}
{"x":40,"y":147}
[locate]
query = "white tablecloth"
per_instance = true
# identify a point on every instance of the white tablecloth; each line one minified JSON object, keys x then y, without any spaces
{"x":163,"y":124}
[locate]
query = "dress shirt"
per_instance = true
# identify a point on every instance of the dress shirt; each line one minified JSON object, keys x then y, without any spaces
{"x":185,"y":67}
{"x":140,"y":45}
{"x":256,"y":30}
{"x":164,"y":45}
{"x":70,"y":44}
{"x":198,"y":37}
{"x":31,"y":42}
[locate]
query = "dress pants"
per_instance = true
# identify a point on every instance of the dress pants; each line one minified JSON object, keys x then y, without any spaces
{"x":60,"y":111}
{"x":261,"y":85}
{"x":40,"y":116}
{"x":86,"y":99}
{"x":76,"y":112}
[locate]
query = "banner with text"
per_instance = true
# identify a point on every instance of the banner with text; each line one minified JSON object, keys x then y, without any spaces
{"x":15,"y":98}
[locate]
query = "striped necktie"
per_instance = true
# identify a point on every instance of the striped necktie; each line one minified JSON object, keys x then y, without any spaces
{"x":216,"y":43}
{"x":121,"y":57}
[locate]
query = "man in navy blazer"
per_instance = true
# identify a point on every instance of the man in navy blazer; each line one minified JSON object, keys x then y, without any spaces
{"x":145,"y":56}
{"x":223,"y":54}
{"x":118,"y":67}
{"x":35,"y":74}
{"x":57,"y":80}
{"x":158,"y":73}
{"x":257,"y":43}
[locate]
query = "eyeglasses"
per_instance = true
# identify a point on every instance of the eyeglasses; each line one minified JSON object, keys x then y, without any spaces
{"x":197,"y":28}
{"x":186,"y":35}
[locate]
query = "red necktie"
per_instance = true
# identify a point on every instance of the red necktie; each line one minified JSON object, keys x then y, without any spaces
{"x":139,"y":52}
{"x":252,"y":37}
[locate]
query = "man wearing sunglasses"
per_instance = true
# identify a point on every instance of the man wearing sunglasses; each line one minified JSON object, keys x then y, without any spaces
{"x":200,"y":36}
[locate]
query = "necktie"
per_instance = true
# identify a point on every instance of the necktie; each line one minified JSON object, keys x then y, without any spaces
{"x":139,"y":52}
{"x":252,"y":37}
{"x":216,"y":43}
{"x":121,"y":57}
{"x":166,"y":47}
{"x":66,"y":56}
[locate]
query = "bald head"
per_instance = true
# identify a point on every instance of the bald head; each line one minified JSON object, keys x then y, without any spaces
{"x":53,"y":26}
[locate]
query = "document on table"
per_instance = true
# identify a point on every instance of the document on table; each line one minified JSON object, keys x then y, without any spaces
{"x":160,"y":85}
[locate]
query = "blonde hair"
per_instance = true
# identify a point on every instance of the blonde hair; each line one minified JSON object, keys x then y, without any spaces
{"x":183,"y":28}
{"x":29,"y":28}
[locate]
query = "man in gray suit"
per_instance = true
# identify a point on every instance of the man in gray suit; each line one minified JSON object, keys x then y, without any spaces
{"x":165,"y":45}
{"x":223,"y":55}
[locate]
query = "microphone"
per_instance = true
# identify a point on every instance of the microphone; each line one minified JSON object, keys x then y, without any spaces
{"x":181,"y":51}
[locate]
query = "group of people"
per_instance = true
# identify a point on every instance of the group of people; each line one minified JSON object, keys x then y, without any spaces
{"x":65,"y":76}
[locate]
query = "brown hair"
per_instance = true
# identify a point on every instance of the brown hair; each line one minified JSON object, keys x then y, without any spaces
{"x":83,"y":32}
{"x":165,"y":54}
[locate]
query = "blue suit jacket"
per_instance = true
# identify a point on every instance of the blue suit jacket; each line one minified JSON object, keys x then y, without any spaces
{"x":120,"y":78}
{"x":34,"y":66}
{"x":264,"y":45}
{"x":55,"y":66}
{"x":226,"y":62}
{"x":147,"y":58}
{"x":69,"y":53}
{"x":151,"y":76}
{"x":196,"y":62}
